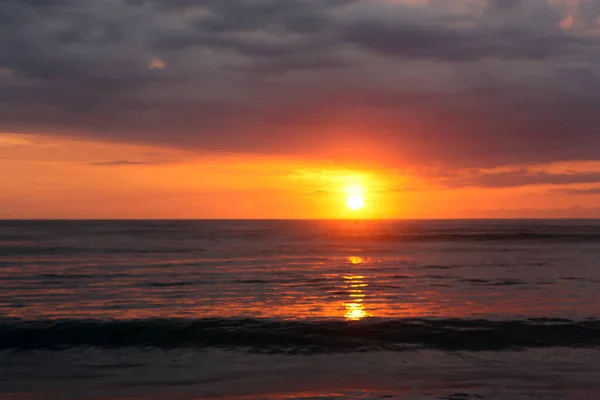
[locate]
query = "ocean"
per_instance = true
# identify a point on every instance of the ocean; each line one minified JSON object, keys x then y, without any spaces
{"x":455,"y":310}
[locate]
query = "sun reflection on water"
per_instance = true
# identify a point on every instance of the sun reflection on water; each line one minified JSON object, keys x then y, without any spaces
{"x":355,"y":311}
{"x":355,"y":286}
{"x":355,"y":260}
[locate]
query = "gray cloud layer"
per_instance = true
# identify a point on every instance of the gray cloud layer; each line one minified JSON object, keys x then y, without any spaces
{"x":522,"y":177}
{"x":461,"y":83}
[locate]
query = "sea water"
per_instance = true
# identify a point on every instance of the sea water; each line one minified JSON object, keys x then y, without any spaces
{"x":300,"y":309}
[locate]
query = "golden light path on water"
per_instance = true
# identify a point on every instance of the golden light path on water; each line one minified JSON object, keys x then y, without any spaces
{"x":355,"y":285}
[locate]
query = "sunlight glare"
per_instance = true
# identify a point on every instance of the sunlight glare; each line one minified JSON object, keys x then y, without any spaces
{"x":356,"y":202}
{"x":355,"y":197}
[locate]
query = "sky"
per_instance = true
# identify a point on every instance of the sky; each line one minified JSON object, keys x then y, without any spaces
{"x":280,"y":108}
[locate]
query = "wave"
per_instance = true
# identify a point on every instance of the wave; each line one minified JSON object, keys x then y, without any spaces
{"x":301,"y":337}
{"x":11,"y":250}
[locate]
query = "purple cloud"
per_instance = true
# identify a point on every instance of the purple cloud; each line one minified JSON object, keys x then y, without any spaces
{"x":496,"y":84}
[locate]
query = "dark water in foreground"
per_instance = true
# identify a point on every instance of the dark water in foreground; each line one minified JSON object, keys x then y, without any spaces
{"x":299,"y":309}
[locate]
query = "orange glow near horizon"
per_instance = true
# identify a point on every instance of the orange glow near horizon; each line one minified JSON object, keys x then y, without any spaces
{"x":60,"y":178}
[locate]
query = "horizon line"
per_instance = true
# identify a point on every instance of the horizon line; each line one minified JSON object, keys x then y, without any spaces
{"x":298,"y":219}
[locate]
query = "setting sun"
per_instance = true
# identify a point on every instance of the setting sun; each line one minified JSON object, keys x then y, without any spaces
{"x":355,"y":199}
{"x":356,"y":202}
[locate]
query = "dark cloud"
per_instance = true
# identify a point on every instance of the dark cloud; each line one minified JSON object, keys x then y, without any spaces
{"x":448,"y":38}
{"x":119,"y":163}
{"x":577,"y":191}
{"x":468,"y":84}
{"x":535,"y":213}
{"x":505,"y":5}
{"x":522,"y":177}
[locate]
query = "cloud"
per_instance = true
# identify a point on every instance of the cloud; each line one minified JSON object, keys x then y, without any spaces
{"x":118,"y":163}
{"x":475,"y":83}
{"x":578,"y":191}
{"x":520,"y":177}
{"x":14,"y":142}
{"x":537,"y":213}
{"x":157,"y":63}
{"x":567,"y":23}
{"x":394,"y":32}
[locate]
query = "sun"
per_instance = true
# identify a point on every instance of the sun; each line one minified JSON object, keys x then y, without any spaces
{"x":356,"y":202}
{"x":355,"y":199}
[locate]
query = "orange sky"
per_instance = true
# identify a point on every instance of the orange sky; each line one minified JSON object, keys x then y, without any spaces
{"x":48,"y":177}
